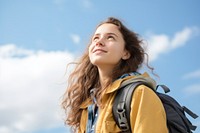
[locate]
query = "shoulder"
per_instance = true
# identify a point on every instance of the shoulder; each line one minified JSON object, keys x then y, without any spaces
{"x":145,"y":94}
{"x":143,"y":89}
{"x":145,"y":100}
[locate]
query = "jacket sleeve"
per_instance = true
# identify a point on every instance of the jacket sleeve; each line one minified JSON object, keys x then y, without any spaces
{"x":147,"y":112}
{"x":83,"y":121}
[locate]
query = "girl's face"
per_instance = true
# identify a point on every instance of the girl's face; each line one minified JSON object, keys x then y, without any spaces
{"x":107,"y":47}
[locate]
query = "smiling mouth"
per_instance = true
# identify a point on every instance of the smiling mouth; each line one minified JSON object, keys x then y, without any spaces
{"x":99,"y":50}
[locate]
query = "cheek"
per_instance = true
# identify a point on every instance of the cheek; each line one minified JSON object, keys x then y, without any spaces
{"x":118,"y":51}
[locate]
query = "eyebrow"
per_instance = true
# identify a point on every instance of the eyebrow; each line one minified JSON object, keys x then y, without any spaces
{"x":107,"y":34}
{"x":112,"y":34}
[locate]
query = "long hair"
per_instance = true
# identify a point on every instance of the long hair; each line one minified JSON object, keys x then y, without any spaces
{"x":85,"y":75}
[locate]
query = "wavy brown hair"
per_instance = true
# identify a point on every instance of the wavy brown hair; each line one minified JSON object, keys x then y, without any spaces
{"x":85,"y":75}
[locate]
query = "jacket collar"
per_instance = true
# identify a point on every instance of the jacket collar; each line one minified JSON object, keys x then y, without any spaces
{"x":86,"y":103}
{"x":130,"y":79}
{"x":123,"y":82}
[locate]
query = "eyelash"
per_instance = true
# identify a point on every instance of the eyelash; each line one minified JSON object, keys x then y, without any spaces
{"x":95,"y":38}
{"x":111,"y":37}
{"x":108,"y":37}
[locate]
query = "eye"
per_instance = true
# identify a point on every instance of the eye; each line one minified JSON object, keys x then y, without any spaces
{"x":110,"y":37}
{"x":95,"y":38}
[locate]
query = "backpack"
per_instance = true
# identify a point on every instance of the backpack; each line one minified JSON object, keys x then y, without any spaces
{"x":177,"y":122}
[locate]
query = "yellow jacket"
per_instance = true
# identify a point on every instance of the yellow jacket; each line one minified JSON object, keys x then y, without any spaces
{"x":147,"y":112}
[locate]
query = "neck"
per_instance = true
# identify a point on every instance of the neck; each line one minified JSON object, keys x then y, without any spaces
{"x":104,"y":76}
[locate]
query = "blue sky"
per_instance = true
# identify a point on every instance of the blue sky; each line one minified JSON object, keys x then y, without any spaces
{"x":39,"y":37}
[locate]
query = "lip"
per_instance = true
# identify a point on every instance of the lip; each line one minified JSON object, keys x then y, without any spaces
{"x":99,"y":50}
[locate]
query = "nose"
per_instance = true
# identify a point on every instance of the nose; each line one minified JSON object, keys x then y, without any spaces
{"x":100,"y":42}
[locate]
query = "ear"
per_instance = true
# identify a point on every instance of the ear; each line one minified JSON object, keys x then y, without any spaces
{"x":126,"y":55}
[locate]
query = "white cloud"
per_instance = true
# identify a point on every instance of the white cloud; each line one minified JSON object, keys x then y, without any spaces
{"x":192,"y":75}
{"x":75,"y":38}
{"x":183,"y":36}
{"x":192,"y":89}
{"x":159,"y":44}
{"x":11,"y":50}
{"x":32,"y":83}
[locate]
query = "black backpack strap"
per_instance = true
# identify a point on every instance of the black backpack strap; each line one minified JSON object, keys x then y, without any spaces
{"x":121,"y":106}
{"x":189,"y":112}
{"x":164,"y":87}
{"x":193,"y":115}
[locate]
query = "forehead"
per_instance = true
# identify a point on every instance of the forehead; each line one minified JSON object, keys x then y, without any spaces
{"x":107,"y":28}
